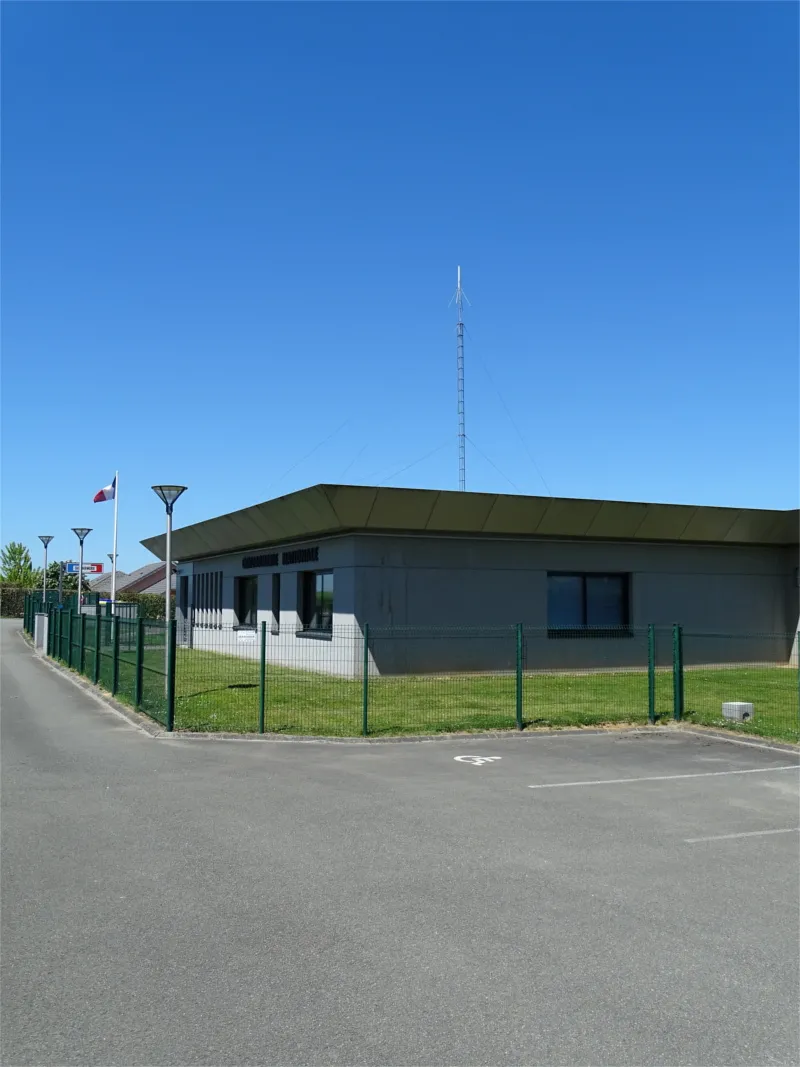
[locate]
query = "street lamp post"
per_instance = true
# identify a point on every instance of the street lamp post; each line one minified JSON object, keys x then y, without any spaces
{"x":45,"y":539}
{"x":168,"y":494}
{"x":81,"y":532}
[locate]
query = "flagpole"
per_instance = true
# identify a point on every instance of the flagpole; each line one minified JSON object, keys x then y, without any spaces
{"x":114,"y":563}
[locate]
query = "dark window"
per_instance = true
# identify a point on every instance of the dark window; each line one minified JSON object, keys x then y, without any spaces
{"x":565,"y":600}
{"x":597,"y":604}
{"x":207,"y":599}
{"x":276,"y":603}
{"x":316,"y":600}
{"x":245,"y":600}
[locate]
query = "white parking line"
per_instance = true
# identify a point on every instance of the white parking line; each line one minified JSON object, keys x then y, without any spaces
{"x":669,"y":777}
{"x":748,"y":833}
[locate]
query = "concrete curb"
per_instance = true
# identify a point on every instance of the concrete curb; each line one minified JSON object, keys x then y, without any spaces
{"x":158,"y":733}
{"x":748,"y":740}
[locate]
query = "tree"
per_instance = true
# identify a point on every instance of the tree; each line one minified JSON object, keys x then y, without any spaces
{"x":16,"y":567}
{"x":69,"y":581}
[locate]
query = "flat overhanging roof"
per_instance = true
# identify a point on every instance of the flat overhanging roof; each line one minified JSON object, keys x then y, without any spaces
{"x":322,"y":510}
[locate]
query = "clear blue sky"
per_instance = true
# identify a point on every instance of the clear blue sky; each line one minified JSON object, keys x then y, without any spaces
{"x":231,"y":231}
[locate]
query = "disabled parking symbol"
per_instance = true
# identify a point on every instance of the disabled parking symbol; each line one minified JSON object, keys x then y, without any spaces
{"x":476,"y":761}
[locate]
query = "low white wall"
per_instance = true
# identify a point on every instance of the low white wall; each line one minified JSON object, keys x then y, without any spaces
{"x":340,"y":653}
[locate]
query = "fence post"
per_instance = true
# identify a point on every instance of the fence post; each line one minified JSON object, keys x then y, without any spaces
{"x":651,"y":673}
{"x":57,"y":635}
{"x":137,"y":697}
{"x":98,"y":630}
{"x":519,"y":675}
{"x":170,"y":636}
{"x":365,"y":684}
{"x":69,"y":641}
{"x":115,"y":657}
{"x":262,"y":678}
{"x":677,"y":672}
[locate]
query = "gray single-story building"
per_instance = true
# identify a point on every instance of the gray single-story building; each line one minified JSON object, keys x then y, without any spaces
{"x":584,"y":577}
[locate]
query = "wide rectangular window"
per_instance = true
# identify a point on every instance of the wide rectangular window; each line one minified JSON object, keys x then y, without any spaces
{"x":316,"y":600}
{"x":245,"y":600}
{"x":276,"y":604}
{"x":596,"y":604}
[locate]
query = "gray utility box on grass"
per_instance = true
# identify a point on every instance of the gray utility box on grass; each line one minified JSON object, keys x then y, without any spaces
{"x":737,"y":710}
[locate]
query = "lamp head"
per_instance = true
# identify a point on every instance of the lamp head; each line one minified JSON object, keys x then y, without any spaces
{"x":168,"y":493}
{"x":45,"y":539}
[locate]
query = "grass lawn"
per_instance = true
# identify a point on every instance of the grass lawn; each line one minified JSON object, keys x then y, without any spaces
{"x":772,"y":690}
{"x":216,"y":692}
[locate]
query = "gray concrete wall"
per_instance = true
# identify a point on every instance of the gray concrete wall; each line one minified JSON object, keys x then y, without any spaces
{"x":418,"y":582}
{"x":445,"y":582}
{"x":338,"y":653}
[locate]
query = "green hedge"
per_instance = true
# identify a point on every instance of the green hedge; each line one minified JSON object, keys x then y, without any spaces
{"x":12,"y":600}
{"x":151,"y":605}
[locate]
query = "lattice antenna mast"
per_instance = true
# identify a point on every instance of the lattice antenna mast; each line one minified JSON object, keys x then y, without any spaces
{"x":459,"y":298}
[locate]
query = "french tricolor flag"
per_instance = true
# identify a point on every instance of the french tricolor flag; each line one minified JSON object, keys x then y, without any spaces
{"x":109,"y":493}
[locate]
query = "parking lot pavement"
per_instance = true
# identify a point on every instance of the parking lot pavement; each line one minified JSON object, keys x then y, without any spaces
{"x":578,"y":898}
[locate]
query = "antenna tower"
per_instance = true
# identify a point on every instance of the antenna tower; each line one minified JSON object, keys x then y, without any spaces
{"x":462,"y":460}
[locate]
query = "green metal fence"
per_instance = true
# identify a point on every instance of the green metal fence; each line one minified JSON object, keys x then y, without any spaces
{"x":756,"y":669}
{"x":246,"y":680}
{"x":424,"y":679}
{"x":34,"y":604}
{"x":127,"y":657}
{"x":349,"y":681}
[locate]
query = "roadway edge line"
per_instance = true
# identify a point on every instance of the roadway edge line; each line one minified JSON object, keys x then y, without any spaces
{"x":666,"y":777}
{"x":742,"y":833}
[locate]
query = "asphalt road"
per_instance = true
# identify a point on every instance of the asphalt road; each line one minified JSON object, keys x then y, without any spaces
{"x":169,"y":902}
